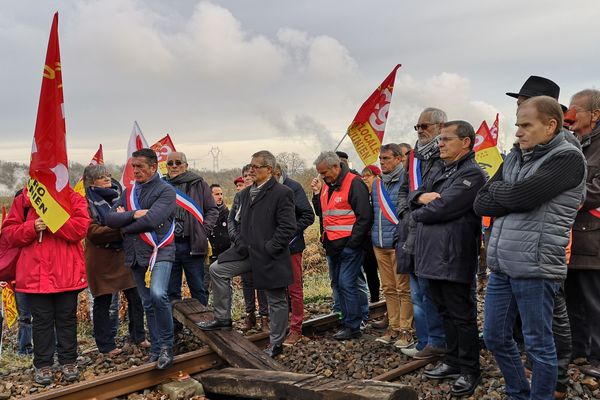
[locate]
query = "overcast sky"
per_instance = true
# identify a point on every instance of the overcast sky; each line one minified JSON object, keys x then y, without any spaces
{"x":280,"y":75}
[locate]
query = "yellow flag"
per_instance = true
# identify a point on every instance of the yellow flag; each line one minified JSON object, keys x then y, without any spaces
{"x":10,"y":305}
{"x":489,"y":159}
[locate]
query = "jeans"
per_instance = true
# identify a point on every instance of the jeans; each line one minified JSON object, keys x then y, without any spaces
{"x":25,"y":345}
{"x":193,"y":266}
{"x":156,"y":304}
{"x":345,"y":269}
{"x":428,"y":322}
{"x":533,"y":300}
{"x":221,"y":274}
{"x":363,"y":293}
{"x":54,"y":327}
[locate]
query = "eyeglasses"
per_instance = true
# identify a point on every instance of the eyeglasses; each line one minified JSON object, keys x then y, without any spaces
{"x":423,"y":126}
{"x":176,"y":162}
{"x":253,"y":166}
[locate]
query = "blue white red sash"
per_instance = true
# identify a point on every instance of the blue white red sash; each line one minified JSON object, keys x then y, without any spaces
{"x":150,"y":237}
{"x":595,"y":212}
{"x":414,"y":174}
{"x":187,"y":203}
{"x":385,"y":203}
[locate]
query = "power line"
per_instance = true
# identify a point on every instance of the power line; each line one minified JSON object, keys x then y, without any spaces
{"x":215,"y":152}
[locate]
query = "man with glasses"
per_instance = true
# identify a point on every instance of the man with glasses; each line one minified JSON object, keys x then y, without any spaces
{"x":583,"y":277}
{"x":446,"y":248}
{"x":423,"y":161}
{"x":191,"y":234}
{"x":267,"y":224}
{"x":405,"y":148}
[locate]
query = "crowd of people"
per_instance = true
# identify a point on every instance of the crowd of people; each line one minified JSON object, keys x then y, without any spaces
{"x":411,"y":228}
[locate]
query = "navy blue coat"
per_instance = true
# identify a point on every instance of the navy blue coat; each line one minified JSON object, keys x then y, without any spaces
{"x":158,"y":197}
{"x":305,"y":216}
{"x":448,"y":230}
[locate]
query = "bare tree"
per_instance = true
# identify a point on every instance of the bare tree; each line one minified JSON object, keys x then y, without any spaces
{"x":295,"y":165}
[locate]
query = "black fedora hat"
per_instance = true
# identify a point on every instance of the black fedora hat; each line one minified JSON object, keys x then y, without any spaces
{"x":538,"y":86}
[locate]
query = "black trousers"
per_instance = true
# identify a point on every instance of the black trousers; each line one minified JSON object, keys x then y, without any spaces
{"x":56,"y":312}
{"x":458,"y":308}
{"x":250,"y":295}
{"x":370,"y":268}
{"x":103,"y":334}
{"x":583,"y":305}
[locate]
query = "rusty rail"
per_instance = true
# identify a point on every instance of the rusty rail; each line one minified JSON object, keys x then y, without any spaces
{"x":119,"y":383}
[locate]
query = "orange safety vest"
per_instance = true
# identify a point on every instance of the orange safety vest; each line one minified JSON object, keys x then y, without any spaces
{"x":338,"y":216}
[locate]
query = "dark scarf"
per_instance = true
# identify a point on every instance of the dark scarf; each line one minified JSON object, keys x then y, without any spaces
{"x":429,"y":150}
{"x":182,"y":182}
{"x":392,"y":176}
{"x":101,"y":200}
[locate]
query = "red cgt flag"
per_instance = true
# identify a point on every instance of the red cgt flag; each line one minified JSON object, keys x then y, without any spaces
{"x":98,"y":159}
{"x":48,"y":184}
{"x":163,"y":148}
{"x":483,"y":138}
{"x":494,"y":130}
{"x":137,"y":141}
{"x":368,"y":127}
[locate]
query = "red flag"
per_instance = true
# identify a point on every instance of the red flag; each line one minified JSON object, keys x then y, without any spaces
{"x":163,"y":148}
{"x":494,"y":130}
{"x":3,"y":214}
{"x":483,"y":138}
{"x":137,"y":141}
{"x":48,"y":186}
{"x":98,"y":159}
{"x":368,"y":126}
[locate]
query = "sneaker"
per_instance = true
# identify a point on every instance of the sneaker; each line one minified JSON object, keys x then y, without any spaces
{"x":70,"y":372}
{"x":410,"y":350}
{"x":405,"y":339}
{"x":429,"y":352}
{"x":363,"y":325}
{"x":292,"y":339}
{"x":389,"y":337}
{"x":43,"y":376}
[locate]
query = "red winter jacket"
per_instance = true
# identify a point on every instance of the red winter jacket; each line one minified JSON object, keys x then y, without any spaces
{"x":57,"y":263}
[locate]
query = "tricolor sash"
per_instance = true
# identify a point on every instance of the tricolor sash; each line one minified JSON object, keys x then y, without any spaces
{"x":187,"y":203}
{"x":414,"y":174}
{"x":385,"y":203}
{"x":150,"y":237}
{"x":595,"y":212}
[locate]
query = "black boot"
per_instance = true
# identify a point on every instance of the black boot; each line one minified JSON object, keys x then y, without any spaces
{"x":165,"y":358}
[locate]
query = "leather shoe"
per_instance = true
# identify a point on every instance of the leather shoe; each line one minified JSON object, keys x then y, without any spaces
{"x":165,"y":358}
{"x":215,"y":325}
{"x":465,"y":384}
{"x":273,"y":350}
{"x":347,"y":334}
{"x":443,"y":371}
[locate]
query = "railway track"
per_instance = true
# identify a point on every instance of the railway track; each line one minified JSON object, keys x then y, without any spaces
{"x":120,"y":383}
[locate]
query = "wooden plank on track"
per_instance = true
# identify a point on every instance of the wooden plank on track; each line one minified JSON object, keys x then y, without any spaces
{"x":404,"y":369}
{"x":264,"y":384}
{"x":231,"y":346}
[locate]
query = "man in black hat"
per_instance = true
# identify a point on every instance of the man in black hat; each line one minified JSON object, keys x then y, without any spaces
{"x":539,"y":86}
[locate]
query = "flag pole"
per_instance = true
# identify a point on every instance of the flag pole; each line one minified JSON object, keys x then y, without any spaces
{"x":341,"y":140}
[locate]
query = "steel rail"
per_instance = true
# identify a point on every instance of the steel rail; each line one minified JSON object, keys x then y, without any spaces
{"x":119,"y":383}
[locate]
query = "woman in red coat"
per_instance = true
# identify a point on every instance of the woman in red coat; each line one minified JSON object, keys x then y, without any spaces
{"x":52,"y":273}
